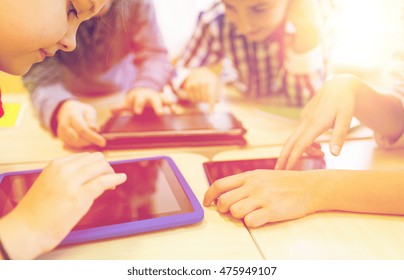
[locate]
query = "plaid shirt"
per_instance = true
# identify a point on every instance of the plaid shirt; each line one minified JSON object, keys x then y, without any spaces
{"x":256,"y":68}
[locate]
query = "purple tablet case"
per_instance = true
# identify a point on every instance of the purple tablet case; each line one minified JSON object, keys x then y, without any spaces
{"x":190,"y":210}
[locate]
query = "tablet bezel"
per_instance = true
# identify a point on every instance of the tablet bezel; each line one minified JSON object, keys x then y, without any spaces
{"x":139,"y":226}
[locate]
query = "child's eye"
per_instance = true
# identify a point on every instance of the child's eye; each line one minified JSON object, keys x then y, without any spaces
{"x":263,"y":8}
{"x":72,"y":9}
{"x":229,"y":8}
{"x":258,"y":10}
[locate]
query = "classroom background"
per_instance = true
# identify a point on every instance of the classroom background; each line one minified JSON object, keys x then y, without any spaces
{"x":366,"y":35}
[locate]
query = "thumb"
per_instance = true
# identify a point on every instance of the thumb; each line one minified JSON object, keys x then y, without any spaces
{"x":182,"y":93}
{"x":90,"y":117}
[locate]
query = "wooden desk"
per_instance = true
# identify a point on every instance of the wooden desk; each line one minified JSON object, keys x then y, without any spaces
{"x":334,"y":235}
{"x":28,"y":142}
{"x":219,"y":237}
{"x":33,"y":143}
{"x":216,"y":237}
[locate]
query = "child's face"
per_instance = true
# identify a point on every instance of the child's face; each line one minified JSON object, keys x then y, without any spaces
{"x":30,"y":30}
{"x":256,"y":19}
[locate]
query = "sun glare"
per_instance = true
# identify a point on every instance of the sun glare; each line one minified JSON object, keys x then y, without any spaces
{"x":366,"y":33}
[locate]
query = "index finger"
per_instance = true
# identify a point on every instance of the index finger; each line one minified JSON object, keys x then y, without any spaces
{"x":223,"y":185}
{"x":157,"y":104}
{"x":138,"y":104}
{"x":341,"y":129}
{"x":96,"y":186}
{"x":288,"y":147}
{"x":213,"y":95}
{"x":295,"y":146}
{"x":87,"y":133}
{"x":299,"y":148}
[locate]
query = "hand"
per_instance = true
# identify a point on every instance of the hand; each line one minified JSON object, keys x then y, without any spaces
{"x":263,"y":196}
{"x":203,"y":85}
{"x":305,"y":15}
{"x":138,"y":98}
{"x":77,"y":125}
{"x":332,"y":107}
{"x":59,"y":198}
{"x":314,"y":150}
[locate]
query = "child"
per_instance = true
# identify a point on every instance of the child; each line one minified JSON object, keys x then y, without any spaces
{"x":263,"y":196}
{"x":119,"y":50}
{"x":67,"y":187}
{"x":274,"y":47}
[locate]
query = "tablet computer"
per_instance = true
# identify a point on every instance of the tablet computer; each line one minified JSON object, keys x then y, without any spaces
{"x":215,"y":170}
{"x":173,"y":130}
{"x":155,"y":196}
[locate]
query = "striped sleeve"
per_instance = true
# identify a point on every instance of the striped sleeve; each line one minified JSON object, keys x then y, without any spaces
{"x":47,"y":91}
{"x":151,"y":56}
{"x":302,"y":74}
{"x":204,"y":48}
{"x":299,"y":88}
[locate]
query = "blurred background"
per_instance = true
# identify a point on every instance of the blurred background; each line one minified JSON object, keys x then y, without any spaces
{"x":368,"y":37}
{"x":367,"y":34}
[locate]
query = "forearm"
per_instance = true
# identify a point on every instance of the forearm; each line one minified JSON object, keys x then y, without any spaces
{"x":382,"y":113}
{"x":46,"y":99}
{"x":306,"y":39}
{"x":307,"y":19}
{"x":362,"y":191}
{"x":17,"y":239}
{"x":44,"y":82}
{"x":154,"y":72}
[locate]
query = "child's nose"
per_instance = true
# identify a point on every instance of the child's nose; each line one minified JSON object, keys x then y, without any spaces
{"x":244,"y":24}
{"x":68,"y":42}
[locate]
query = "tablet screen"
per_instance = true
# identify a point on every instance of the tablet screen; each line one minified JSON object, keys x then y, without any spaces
{"x":172,"y":125}
{"x":152,"y":190}
{"x":218,"y":169}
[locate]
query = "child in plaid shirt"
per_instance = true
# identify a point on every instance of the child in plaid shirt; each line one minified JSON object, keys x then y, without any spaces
{"x":274,"y":47}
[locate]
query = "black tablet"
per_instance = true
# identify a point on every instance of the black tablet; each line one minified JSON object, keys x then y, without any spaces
{"x":155,"y":196}
{"x":192,"y":129}
{"x":218,"y":169}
